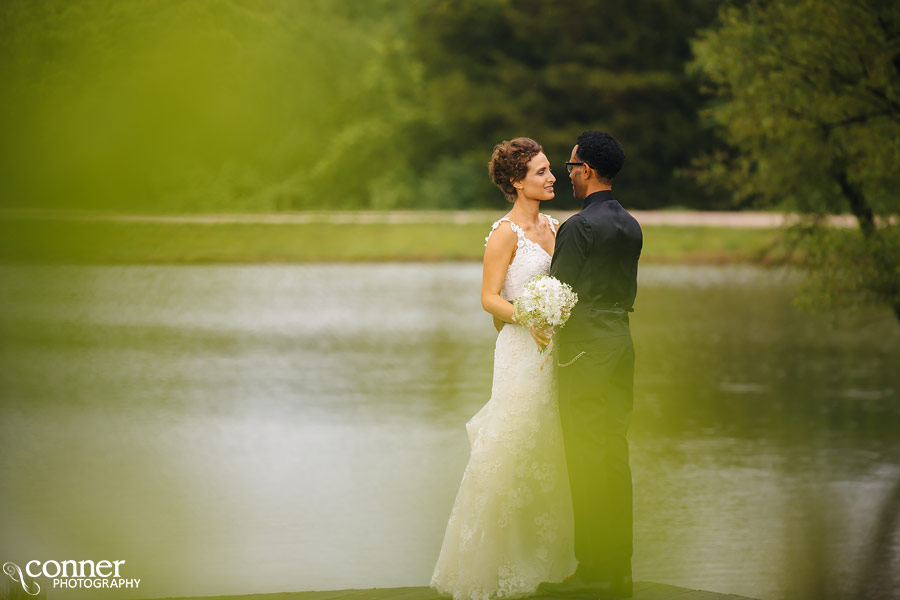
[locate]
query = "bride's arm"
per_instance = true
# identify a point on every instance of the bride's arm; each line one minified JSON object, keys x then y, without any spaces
{"x":497,"y":255}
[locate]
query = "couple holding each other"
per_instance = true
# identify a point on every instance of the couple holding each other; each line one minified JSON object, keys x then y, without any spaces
{"x":548,"y":483}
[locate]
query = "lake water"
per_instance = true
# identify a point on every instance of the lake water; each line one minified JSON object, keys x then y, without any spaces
{"x":264,"y":428}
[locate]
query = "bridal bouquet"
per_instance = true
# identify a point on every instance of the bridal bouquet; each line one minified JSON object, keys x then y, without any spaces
{"x":546,"y":303}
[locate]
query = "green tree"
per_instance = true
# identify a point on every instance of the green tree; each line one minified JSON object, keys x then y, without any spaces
{"x":375,"y":156}
{"x":806,"y":96}
{"x":549,"y":69}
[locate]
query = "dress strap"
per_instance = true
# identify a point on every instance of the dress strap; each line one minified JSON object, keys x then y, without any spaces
{"x":512,"y":225}
{"x":553,"y":223}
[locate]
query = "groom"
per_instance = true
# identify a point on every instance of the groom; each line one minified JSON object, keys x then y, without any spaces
{"x":597,"y":253}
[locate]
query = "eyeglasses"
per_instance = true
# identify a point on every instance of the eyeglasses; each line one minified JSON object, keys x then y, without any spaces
{"x":569,"y":165}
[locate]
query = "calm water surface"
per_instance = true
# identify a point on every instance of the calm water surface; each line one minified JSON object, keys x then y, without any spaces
{"x":250,"y":429}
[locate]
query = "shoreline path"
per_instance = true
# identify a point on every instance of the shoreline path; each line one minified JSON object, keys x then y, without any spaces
{"x":743,"y":220}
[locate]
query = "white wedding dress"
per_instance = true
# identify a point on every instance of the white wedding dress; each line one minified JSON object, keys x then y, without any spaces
{"x":511,"y":524}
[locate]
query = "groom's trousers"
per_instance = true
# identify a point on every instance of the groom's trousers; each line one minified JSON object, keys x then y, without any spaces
{"x":595,"y":405}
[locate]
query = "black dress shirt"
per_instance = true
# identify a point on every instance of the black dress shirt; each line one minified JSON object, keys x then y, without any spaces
{"x":597,"y":252}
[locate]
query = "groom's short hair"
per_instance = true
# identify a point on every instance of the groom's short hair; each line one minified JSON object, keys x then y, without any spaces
{"x":602,"y":152}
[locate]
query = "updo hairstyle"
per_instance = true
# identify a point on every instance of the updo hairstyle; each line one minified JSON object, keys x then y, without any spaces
{"x":509,"y":163}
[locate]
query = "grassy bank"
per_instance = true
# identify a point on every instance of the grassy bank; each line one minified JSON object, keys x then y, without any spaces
{"x":123,"y":242}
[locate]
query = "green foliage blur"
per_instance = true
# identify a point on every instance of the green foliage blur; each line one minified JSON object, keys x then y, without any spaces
{"x":201,"y":105}
{"x":266,"y":105}
{"x":807,"y":100}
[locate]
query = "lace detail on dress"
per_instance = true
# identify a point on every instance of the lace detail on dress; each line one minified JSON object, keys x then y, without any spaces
{"x":511,"y":523}
{"x":535,"y":260}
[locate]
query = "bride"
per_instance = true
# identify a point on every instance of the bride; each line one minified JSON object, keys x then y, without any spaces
{"x":511,"y":523}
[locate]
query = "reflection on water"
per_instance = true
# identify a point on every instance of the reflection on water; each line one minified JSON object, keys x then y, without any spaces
{"x":241,"y":429}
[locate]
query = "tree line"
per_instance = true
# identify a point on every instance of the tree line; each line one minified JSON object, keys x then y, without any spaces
{"x":272,"y":105}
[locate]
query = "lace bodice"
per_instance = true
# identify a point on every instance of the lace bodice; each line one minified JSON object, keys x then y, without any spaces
{"x":530,"y":259}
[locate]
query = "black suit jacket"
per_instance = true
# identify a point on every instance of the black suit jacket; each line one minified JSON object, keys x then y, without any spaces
{"x":597,"y":252}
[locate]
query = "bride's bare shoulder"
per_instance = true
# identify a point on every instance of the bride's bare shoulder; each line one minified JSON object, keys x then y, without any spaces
{"x":501,"y":234}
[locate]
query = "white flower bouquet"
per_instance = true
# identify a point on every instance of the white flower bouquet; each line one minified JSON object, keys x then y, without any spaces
{"x":545,"y":303}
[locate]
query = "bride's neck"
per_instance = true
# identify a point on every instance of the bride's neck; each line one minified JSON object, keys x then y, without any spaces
{"x":526,"y":211}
